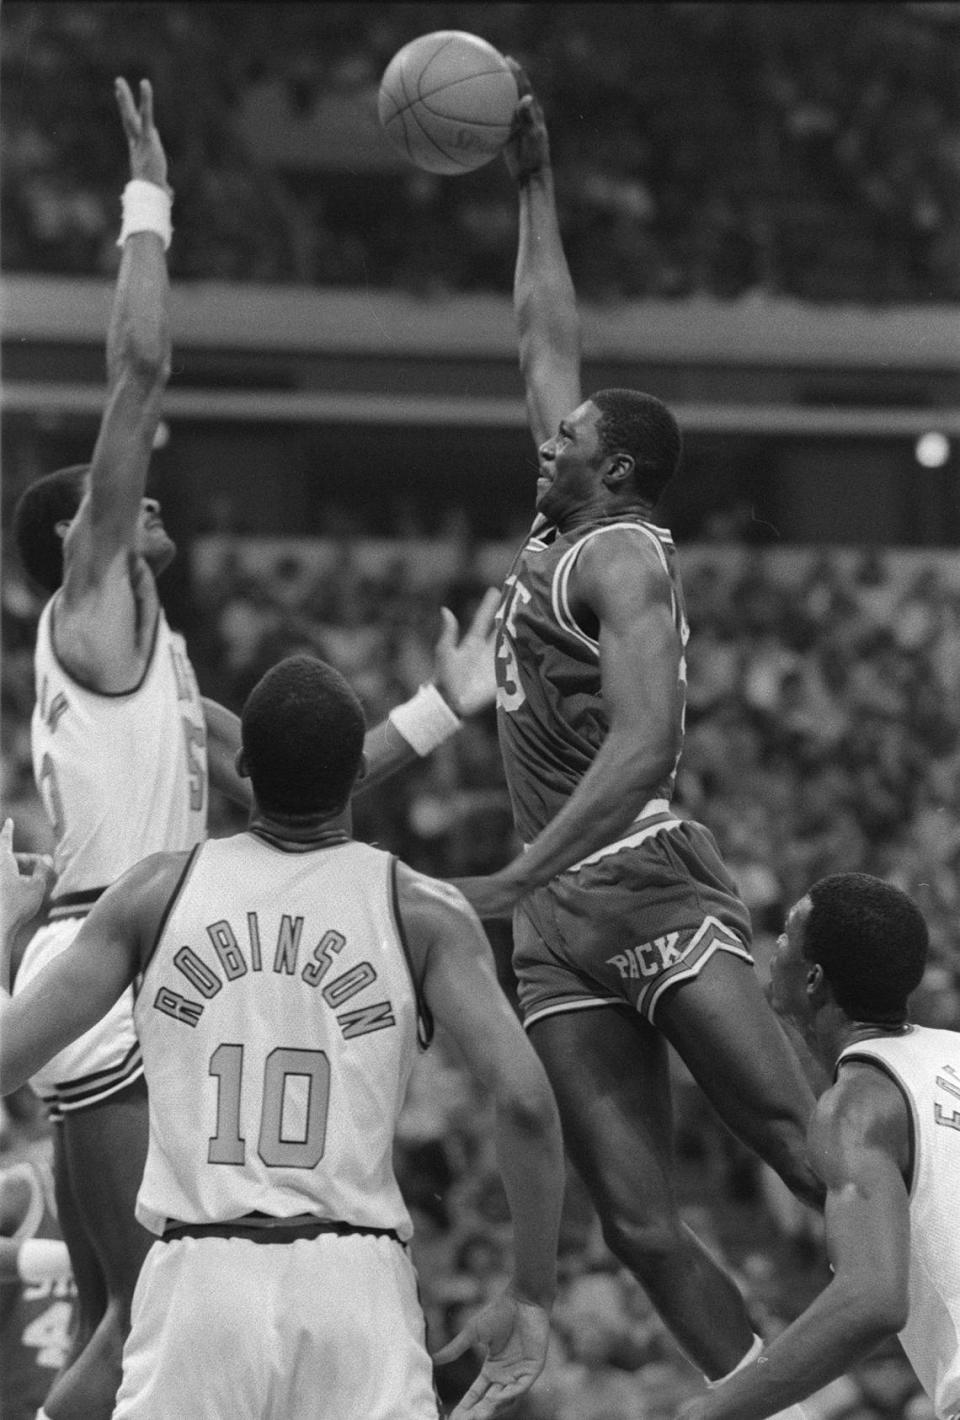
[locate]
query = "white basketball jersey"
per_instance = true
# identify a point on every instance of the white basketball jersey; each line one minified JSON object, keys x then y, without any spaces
{"x":925,"y":1064}
{"x":279,"y":1024}
{"x":120,"y":776}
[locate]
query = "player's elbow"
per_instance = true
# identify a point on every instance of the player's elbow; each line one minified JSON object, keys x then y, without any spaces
{"x":527,"y":1107}
{"x":143,"y":357}
{"x":645,"y":762}
{"x":877,"y":1308}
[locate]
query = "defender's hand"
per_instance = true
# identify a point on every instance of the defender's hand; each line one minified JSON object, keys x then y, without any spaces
{"x":25,"y":880}
{"x":513,"y":1336}
{"x":148,"y":161}
{"x":464,"y":669}
{"x":492,"y":896}
{"x":528,"y":148}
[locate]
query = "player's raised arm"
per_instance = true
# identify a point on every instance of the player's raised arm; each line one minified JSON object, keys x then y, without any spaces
{"x":455,"y":964}
{"x":544,"y":301}
{"x":103,"y":536}
{"x":464,"y":683}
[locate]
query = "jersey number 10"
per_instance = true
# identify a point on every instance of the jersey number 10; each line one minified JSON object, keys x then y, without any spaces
{"x":228,"y":1146}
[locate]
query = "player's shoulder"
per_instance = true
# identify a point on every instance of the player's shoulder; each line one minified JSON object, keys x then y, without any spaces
{"x":863,"y":1111}
{"x":621,"y":560}
{"x":624,"y":542}
{"x":154,"y":877}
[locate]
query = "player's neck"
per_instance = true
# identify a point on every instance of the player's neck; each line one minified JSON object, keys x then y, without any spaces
{"x":591,"y":513}
{"x":845,"y":1032}
{"x":301,"y":831}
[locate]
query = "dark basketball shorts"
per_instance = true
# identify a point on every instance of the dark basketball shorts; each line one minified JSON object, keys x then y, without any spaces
{"x":627,"y":924}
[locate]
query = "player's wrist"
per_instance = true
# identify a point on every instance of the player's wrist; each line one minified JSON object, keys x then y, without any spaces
{"x":147,"y":207}
{"x":426,"y":720}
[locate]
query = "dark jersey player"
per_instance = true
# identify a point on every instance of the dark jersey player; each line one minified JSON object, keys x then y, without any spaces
{"x":629,"y":932}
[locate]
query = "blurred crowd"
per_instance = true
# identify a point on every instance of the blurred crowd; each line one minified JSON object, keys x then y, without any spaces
{"x":808,"y":150}
{"x":823,"y":735}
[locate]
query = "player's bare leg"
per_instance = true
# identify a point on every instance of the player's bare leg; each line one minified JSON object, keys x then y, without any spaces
{"x":731,"y":1042}
{"x":103,"y":1151}
{"x":609,"y":1071}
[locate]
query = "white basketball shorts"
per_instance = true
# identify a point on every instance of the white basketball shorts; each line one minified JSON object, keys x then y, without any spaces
{"x":99,"y":1063}
{"x":315,"y":1329}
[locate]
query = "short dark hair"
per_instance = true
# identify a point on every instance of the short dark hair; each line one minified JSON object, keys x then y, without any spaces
{"x":302,"y":730}
{"x":640,"y":425}
{"x":871,"y":940}
{"x":52,"y":499}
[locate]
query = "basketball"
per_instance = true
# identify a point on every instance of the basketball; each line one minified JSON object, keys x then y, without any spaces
{"x":447,"y":101}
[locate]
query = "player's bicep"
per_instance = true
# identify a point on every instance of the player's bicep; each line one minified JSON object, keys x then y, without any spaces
{"x":867,"y":1208}
{"x":459,"y":979}
{"x":640,"y":648}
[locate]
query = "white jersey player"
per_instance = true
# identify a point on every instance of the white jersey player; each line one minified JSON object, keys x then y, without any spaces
{"x":289,"y":975}
{"x":121,"y":775}
{"x":885,"y":1138}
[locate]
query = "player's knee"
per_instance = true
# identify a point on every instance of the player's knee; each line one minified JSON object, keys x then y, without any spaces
{"x":646,"y":1243}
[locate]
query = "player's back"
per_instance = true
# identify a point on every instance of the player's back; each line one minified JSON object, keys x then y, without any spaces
{"x":550,"y":713}
{"x":279,"y":1023}
{"x":120,"y":775}
{"x":925,"y":1064}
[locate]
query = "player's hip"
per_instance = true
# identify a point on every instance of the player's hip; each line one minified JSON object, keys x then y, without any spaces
{"x":101,"y":1062}
{"x":622,"y":928}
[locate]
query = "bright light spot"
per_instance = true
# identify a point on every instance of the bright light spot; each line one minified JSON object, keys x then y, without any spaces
{"x":932,"y":450}
{"x":162,"y":437}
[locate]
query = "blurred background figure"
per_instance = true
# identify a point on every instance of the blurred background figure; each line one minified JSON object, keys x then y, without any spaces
{"x":36,"y":1285}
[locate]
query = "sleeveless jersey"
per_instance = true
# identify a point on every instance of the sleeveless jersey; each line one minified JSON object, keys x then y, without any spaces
{"x":36,"y":1317}
{"x":925,"y":1064}
{"x":120,"y":775}
{"x":279,"y":1024}
{"x":550,"y":712}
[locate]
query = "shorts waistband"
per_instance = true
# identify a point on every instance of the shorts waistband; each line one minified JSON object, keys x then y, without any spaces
{"x":655,"y":816}
{"x":73,"y":904}
{"x":272,"y":1230}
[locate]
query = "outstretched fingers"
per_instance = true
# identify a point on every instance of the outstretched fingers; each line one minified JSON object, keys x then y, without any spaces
{"x":146,"y":106}
{"x":485,"y":615}
{"x":128,"y":110}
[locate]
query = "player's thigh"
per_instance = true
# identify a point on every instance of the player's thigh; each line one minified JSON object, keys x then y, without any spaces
{"x":610,"y":1075}
{"x":87,"y":1273}
{"x":106,"y":1149}
{"x":727,"y":1035}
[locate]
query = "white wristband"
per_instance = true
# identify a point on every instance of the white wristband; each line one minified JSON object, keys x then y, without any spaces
{"x":43,"y":1260}
{"x":146,"y":208}
{"x":425,"y":720}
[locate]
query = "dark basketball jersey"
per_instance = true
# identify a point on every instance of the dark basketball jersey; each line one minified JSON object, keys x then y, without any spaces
{"x":550,"y":710}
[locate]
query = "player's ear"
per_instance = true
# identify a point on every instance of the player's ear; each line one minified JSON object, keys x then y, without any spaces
{"x":816,"y":981}
{"x":62,"y":527}
{"x":362,"y":771}
{"x":621,"y":468}
{"x":241,"y":765}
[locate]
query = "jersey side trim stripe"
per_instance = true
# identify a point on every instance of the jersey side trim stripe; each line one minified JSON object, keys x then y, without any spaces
{"x":424,"y":1016}
{"x":91,"y":689}
{"x":863,"y":1058}
{"x":175,"y":894}
{"x":560,"y":596}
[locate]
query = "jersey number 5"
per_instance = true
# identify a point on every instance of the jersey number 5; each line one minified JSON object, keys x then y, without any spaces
{"x":303,"y":1147}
